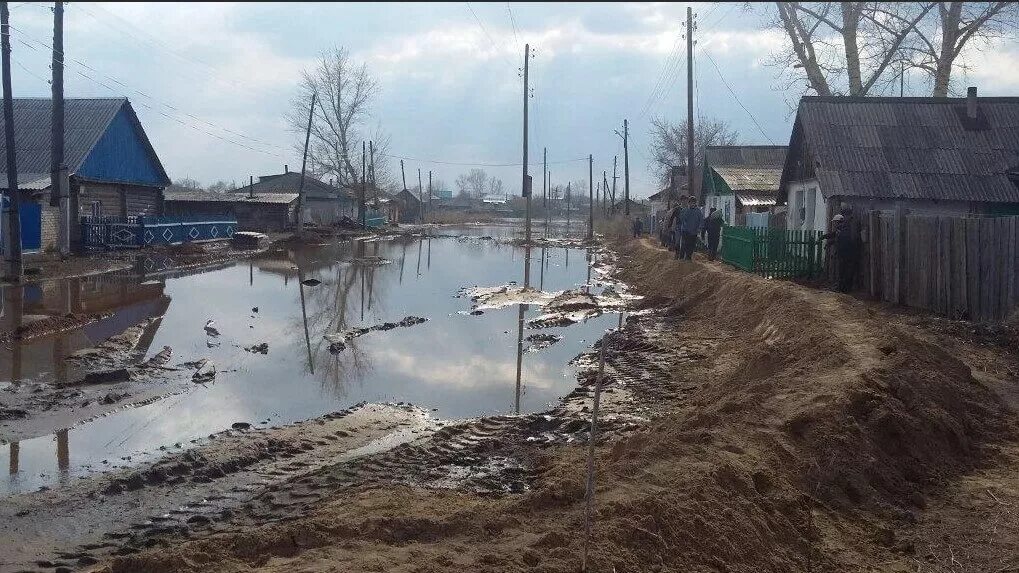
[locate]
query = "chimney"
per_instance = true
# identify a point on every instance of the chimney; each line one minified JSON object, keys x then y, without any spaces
{"x":971,"y":102}
{"x":286,"y":168}
{"x":251,"y":187}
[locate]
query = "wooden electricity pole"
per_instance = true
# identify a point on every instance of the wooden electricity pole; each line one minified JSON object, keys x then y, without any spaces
{"x":304,"y":165}
{"x":612,"y":205}
{"x":362,"y":213}
{"x":626,"y":166}
{"x":421,"y":199}
{"x":689,"y":103}
{"x":590,"y":197}
{"x":403,"y":174}
{"x":58,"y":171}
{"x":604,"y":193}
{"x":13,"y":253}
{"x":429,"y":189}
{"x":544,"y":177}
{"x":525,"y":184}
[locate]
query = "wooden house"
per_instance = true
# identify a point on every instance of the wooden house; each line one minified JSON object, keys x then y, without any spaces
{"x":953,"y":156}
{"x":112,"y":168}
{"x":324,"y":204}
{"x":263,"y":212}
{"x":741,"y":179}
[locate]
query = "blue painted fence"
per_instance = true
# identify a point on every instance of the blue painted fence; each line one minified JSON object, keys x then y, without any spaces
{"x":120,"y":232}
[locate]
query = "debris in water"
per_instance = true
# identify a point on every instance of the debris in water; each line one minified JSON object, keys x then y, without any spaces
{"x":210,"y":328}
{"x":254,"y":309}
{"x":311,"y":282}
{"x":107,"y":376}
{"x":206,"y":371}
{"x":261,"y":348}
{"x":159,"y":359}
{"x":338,"y":340}
{"x":541,"y":341}
{"x":240,"y":425}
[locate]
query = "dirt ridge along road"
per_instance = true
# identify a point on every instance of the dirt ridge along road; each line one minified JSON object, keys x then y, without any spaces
{"x":787,"y":429}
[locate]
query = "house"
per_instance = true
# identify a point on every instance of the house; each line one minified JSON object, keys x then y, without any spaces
{"x":636,"y":207}
{"x":937,"y":155}
{"x":742,"y":179}
{"x":263,"y":212}
{"x":385,"y":205}
{"x":410,"y":206}
{"x":324,"y":204}
{"x":112,"y":168}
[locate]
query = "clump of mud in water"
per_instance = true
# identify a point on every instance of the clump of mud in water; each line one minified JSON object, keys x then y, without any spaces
{"x":541,"y":341}
{"x":338,"y":341}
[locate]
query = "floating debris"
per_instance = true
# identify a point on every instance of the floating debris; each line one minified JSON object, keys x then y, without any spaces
{"x":338,"y":341}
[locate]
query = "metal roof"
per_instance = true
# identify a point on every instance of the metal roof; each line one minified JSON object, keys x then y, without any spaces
{"x":210,"y":197}
{"x":755,"y":199}
{"x":750,"y":178}
{"x":910,"y":148}
{"x":746,"y":155}
{"x":85,"y":122}
{"x":290,"y":182}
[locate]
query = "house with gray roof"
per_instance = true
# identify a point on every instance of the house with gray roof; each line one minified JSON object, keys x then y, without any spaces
{"x":325,"y":204}
{"x":262,"y":212}
{"x":953,"y":156}
{"x":741,"y":179}
{"x":112,"y":167}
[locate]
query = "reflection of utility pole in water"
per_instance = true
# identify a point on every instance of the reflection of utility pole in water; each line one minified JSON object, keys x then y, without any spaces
{"x":16,"y":300}
{"x":429,"y":263}
{"x":520,"y":356}
{"x":14,"y":451}
{"x":362,"y":292}
{"x":304,"y":315}
{"x":63,"y":456}
{"x":419,"y":258}
{"x":588,"y":257}
{"x":541,"y":275}
{"x":251,"y":274}
{"x":403,"y":256}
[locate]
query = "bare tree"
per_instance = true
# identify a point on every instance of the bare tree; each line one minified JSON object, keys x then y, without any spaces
{"x":187,"y":184}
{"x":340,"y":120}
{"x":472,"y":183}
{"x":221,"y":186}
{"x":851,"y":48}
{"x":496,"y":187}
{"x":669,"y":143}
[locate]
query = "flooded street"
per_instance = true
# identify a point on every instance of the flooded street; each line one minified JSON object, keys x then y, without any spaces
{"x":455,"y":364}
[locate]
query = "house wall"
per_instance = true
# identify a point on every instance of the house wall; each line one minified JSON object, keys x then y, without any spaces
{"x":808,"y":209}
{"x":327,"y":211}
{"x":725,"y":203}
{"x":119,"y":200}
{"x":262,"y":217}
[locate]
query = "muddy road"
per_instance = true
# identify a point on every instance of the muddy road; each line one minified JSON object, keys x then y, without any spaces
{"x":147,"y":405}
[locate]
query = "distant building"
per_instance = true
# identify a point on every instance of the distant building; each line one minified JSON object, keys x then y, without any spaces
{"x":264,"y":212}
{"x":934,"y":155}
{"x":113,"y":169}
{"x":410,"y":206}
{"x":443,"y":193}
{"x":325,"y":204}
{"x":741,"y":179}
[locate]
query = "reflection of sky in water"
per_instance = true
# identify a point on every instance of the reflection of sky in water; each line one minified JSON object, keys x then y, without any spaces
{"x":458,"y":364}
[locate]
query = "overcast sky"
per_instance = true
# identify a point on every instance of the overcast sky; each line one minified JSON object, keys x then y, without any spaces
{"x":450,"y":90}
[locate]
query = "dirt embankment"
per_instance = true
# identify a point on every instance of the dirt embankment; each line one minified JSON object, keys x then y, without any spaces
{"x":783,"y":429}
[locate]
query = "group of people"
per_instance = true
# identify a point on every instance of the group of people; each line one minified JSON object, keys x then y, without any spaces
{"x":685,"y":222}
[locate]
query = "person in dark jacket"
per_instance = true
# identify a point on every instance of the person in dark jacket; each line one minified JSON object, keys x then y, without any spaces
{"x":843,"y":246}
{"x":638,"y":227}
{"x":712,"y":229}
{"x":671,"y":224}
{"x":690,"y":221}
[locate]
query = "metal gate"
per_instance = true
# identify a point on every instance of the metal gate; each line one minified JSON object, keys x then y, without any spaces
{"x":30,"y":214}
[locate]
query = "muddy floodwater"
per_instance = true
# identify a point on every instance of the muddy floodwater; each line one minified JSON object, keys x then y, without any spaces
{"x":455,"y":364}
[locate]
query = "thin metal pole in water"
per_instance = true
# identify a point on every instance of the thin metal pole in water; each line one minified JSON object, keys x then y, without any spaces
{"x":589,"y":498}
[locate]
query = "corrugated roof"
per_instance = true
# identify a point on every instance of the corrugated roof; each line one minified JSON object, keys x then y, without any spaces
{"x":750,"y":178}
{"x":210,"y":197}
{"x":746,"y":155}
{"x":755,"y":199}
{"x":911,"y":148}
{"x":290,"y":182}
{"x":85,"y":122}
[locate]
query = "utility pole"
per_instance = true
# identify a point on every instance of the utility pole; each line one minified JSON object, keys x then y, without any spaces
{"x":626,"y":166}
{"x":590,"y":197}
{"x":429,"y":189}
{"x":58,"y":171}
{"x":404,"y":175}
{"x":14,"y":208}
{"x":361,"y":211}
{"x":304,"y":165}
{"x":604,"y":193}
{"x":689,"y":103}
{"x":612,"y":205}
{"x":371,"y":172}
{"x":569,"y":197}
{"x":544,"y":177}
{"x":251,"y":186}
{"x":525,"y":185}
{"x":421,"y":209}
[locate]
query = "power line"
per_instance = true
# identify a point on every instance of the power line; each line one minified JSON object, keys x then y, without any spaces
{"x":671,"y":61}
{"x":735,"y":97}
{"x":513,"y":23}
{"x":485,"y":30}
{"x":465,"y":164}
{"x":154,"y":99}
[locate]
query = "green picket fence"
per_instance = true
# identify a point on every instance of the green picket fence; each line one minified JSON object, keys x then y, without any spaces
{"x":774,"y":252}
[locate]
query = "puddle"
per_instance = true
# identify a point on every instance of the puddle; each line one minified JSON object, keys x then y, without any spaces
{"x":455,"y":364}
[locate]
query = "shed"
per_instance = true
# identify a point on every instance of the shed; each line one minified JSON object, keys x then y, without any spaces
{"x":410,"y":206}
{"x":113,"y":169}
{"x":264,"y":212}
{"x":325,"y":204}
{"x":741,"y":179}
{"x":952,"y":156}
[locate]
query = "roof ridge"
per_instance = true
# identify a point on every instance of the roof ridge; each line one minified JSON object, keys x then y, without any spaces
{"x":911,"y":99}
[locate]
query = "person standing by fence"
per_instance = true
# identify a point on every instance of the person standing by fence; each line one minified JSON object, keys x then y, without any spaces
{"x":671,"y":226}
{"x":690,"y":220}
{"x":712,"y":230}
{"x":638,"y":227}
{"x":843,"y":245}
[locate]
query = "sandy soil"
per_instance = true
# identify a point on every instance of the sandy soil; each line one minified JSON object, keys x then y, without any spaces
{"x":751,"y":425}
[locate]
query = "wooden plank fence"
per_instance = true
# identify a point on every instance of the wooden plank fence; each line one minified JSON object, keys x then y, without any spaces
{"x":960,"y":267}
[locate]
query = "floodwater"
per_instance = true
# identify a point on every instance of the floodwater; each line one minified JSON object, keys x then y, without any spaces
{"x":456,"y":364}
